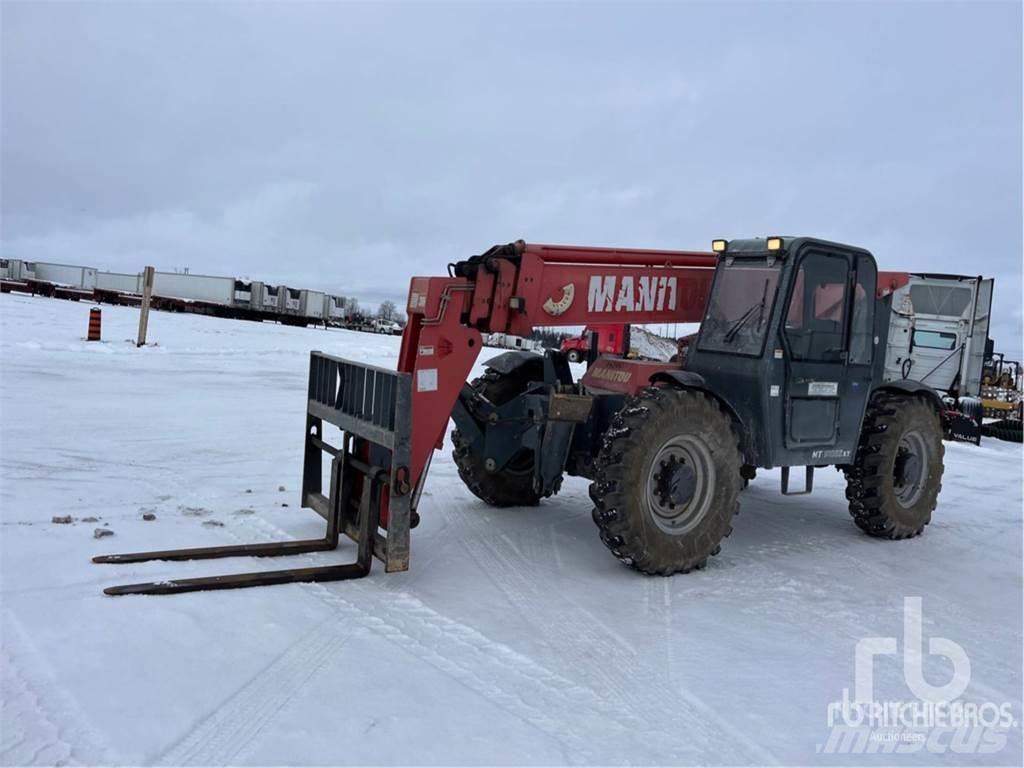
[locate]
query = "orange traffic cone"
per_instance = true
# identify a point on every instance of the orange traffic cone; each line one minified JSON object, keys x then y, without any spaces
{"x":94,"y":324}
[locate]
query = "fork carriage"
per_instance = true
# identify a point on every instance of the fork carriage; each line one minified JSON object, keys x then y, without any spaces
{"x":369,"y":473}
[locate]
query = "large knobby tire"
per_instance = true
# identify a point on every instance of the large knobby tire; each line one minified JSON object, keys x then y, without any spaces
{"x":667,"y":482}
{"x":513,"y":485}
{"x":894,"y":482}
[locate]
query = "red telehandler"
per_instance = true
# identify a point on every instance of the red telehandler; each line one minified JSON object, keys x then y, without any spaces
{"x":786,"y":372}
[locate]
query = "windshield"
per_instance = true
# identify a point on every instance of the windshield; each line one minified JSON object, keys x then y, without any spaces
{"x":741,"y":300}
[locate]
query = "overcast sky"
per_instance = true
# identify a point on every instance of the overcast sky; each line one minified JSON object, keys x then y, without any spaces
{"x":346,"y":147}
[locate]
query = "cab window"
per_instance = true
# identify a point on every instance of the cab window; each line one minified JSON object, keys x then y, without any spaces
{"x":817,"y":309}
{"x":934,"y":339}
{"x":740,"y":304}
{"x":862,"y":322}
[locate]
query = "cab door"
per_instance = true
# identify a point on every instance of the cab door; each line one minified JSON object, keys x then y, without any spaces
{"x":829,"y":344}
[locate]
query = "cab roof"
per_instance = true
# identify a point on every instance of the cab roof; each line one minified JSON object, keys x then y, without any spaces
{"x":790,"y":243}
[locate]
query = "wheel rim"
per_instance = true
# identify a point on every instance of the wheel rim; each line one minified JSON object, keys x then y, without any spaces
{"x":680,"y":484}
{"x":910,"y":469}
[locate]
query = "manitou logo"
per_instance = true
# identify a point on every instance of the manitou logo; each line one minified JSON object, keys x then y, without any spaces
{"x":560,"y":307}
{"x":609,"y":293}
{"x":610,"y":374}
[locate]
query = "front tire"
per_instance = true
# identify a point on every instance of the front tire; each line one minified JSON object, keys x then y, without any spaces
{"x":894,"y":482}
{"x":513,"y":485}
{"x":667,"y":481}
{"x":574,"y":356}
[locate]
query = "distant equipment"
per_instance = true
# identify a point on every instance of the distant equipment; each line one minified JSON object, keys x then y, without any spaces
{"x":938,"y":332}
{"x":510,"y":341}
{"x":611,"y":339}
{"x":177,"y":292}
{"x":938,"y":335}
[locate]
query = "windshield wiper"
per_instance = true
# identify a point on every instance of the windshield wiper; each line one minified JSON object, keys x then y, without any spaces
{"x":758,"y":307}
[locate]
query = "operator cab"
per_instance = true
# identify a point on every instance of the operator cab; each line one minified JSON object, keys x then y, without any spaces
{"x":788,"y":341}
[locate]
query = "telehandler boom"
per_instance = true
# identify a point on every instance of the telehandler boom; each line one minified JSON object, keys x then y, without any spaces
{"x":785,"y":372}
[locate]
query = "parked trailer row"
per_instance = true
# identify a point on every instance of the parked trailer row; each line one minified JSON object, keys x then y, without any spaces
{"x":176,"y":291}
{"x":61,"y":280}
{"x":312,"y":306}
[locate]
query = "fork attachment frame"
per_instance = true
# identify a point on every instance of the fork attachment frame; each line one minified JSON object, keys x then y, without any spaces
{"x":368,"y":485}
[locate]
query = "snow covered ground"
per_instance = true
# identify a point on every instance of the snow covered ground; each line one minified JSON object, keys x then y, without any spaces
{"x":515,"y":638}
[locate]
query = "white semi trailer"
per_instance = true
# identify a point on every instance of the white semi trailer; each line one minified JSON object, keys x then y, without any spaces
{"x":119,"y":282}
{"x":291,"y":298}
{"x":271,"y":298}
{"x":67,"y":275}
{"x":311,"y":305}
{"x":203,"y":288}
{"x":335,"y":309}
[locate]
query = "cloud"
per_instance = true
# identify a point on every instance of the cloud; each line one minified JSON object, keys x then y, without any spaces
{"x":347,"y":147}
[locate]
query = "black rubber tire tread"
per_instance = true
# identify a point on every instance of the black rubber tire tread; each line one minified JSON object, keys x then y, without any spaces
{"x":1006,"y":429}
{"x":646,"y":422}
{"x":499,"y":489}
{"x":869,"y":479}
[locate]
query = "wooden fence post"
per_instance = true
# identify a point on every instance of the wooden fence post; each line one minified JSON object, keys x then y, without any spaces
{"x":147,"y":292}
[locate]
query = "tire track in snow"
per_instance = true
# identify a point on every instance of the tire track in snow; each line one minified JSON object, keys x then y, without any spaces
{"x":844,"y":549}
{"x":588,"y":725}
{"x":770,"y":571}
{"x":40,"y":724}
{"x":234,"y":723}
{"x":632,"y":684}
{"x":232,"y":726}
{"x":237,"y":721}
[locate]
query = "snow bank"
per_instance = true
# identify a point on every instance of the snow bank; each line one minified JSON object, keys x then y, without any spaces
{"x":649,"y":345}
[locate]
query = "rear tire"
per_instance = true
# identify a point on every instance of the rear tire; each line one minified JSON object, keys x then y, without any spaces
{"x":668,"y":478}
{"x":894,"y":482}
{"x":513,"y":485}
